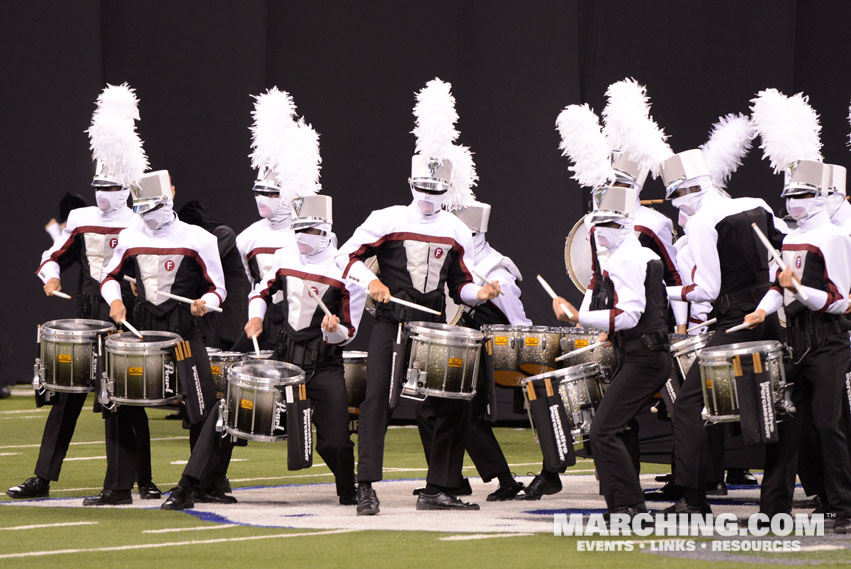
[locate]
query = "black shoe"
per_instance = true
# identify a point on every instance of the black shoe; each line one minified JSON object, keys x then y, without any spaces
{"x":180,"y":499}
{"x":149,"y":491}
{"x":5,"y":391}
{"x":630,"y":511}
{"x":223,"y":484}
{"x":505,"y":491}
{"x":719,"y":489}
{"x":463,"y":490}
{"x":666,"y":478}
{"x":350,"y":498}
{"x":682,"y":507}
{"x":212,"y":496}
{"x":367,"y":500}
{"x":443,"y":501}
{"x":842,"y":524}
{"x":34,"y":487}
{"x":667,"y":493}
{"x":539,"y":486}
{"x":741,"y":477}
{"x":109,"y":498}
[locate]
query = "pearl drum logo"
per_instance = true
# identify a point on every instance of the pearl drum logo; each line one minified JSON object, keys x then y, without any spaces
{"x":169,"y":265}
{"x":438,"y":253}
{"x":113,"y":242}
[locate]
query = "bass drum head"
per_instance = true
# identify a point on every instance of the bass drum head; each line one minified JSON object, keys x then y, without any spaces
{"x":577,"y":255}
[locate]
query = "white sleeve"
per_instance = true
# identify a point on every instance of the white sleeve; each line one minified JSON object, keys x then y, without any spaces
{"x":836,"y":252}
{"x":771,"y":302}
{"x":509,"y":301}
{"x":360,"y":247}
{"x":54,"y":230}
{"x":242,"y":246}
{"x":49,"y":267}
{"x":209,"y":253}
{"x":110,"y":287}
{"x":628,"y":282}
{"x":706,"y":283}
{"x":354,"y":299}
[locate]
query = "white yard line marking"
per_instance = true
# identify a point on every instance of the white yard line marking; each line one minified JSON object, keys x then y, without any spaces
{"x":9,"y":453}
{"x":21,"y":417}
{"x":57,"y":525}
{"x":86,"y":458}
{"x":180,"y":462}
{"x":194,"y":528}
{"x":473,"y":536}
{"x":818,"y":548}
{"x":171,"y":544}
{"x":94,"y":442}
{"x":19,"y":411}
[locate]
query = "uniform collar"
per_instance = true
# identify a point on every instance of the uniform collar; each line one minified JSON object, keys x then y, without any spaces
{"x":814,"y":221}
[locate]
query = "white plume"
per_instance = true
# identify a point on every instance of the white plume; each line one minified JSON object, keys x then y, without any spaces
{"x":274,"y":114}
{"x":728,"y":143}
{"x":113,"y":138}
{"x":630,"y":128}
{"x":435,"y":119}
{"x":464,"y":177}
{"x":297,"y":164}
{"x":788,"y":128}
{"x":583,"y":143}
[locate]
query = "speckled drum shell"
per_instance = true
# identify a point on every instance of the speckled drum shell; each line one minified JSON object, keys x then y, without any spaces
{"x":354,"y":371}
{"x":447,"y":358}
{"x":539,"y":346}
{"x":505,"y":343}
{"x":606,"y":357}
{"x":220,"y":364}
{"x":142,"y":372}
{"x":68,"y":353}
{"x":255,"y":401}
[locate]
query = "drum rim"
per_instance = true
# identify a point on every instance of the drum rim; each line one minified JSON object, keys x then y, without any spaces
{"x":47,"y":330}
{"x":222,"y":354}
{"x":235,"y":374}
{"x":561,"y":373}
{"x":354,"y":355}
{"x":575,"y":331}
{"x":741,"y":348}
{"x":443,"y":331}
{"x":264,"y":355}
{"x":690,"y":341}
{"x":501,"y":328}
{"x":141,"y":345}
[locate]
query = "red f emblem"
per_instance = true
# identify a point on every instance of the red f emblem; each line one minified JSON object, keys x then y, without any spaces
{"x":169,"y":265}
{"x":798,"y":262}
{"x":438,"y":253}
{"x":315,"y":291}
{"x":113,"y":242}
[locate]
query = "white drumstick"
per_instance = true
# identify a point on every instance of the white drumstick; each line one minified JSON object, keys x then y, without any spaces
{"x":582,"y":350}
{"x":322,"y":305}
{"x":174,"y":296}
{"x":553,"y":295}
{"x":481,"y":278}
{"x":61,"y":294}
{"x":741,"y":326}
{"x":256,"y":346}
{"x":777,"y":259}
{"x":699,"y":326}
{"x":131,"y":328}
{"x":414,"y":305}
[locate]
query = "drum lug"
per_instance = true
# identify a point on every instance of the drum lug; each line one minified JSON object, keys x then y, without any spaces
{"x":38,"y":376}
{"x":704,"y":414}
{"x":106,"y":390}
{"x":410,"y":390}
{"x":544,"y":342}
{"x":223,"y":419}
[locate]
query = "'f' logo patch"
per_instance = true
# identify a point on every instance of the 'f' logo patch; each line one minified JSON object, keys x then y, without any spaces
{"x":113,"y":242}
{"x":315,"y":291}
{"x":438,"y":253}
{"x":798,"y":262}
{"x":169,"y":265}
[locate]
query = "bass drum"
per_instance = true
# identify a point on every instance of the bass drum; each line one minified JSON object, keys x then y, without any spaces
{"x":452,"y":311}
{"x":577,"y":255}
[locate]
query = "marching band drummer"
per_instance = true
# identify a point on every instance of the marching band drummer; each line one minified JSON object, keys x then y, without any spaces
{"x":164,"y":255}
{"x":479,"y":440}
{"x":818,"y":259}
{"x":420,"y":249}
{"x":630,"y":303}
{"x":89,"y":236}
{"x":273,"y":112}
{"x":310,"y":339}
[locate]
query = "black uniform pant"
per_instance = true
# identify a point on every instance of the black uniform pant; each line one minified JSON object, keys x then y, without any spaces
{"x":442,"y":423}
{"x":58,"y":430}
{"x":818,"y":390}
{"x":375,"y":409}
{"x":480,"y":442}
{"x":326,"y":390}
{"x":642,"y":373}
{"x":695,"y":459}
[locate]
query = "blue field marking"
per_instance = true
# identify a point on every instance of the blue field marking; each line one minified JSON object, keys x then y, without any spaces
{"x":583,"y":511}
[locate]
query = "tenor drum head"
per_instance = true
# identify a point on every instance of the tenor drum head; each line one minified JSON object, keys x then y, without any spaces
{"x":351,"y":356}
{"x":269,"y":373}
{"x":151,"y":342}
{"x":740,"y":349}
{"x":75,"y":330}
{"x":438,"y":332}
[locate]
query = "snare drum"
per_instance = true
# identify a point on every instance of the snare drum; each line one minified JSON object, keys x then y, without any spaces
{"x":68,"y":351}
{"x":252,"y":355}
{"x":719,"y":379}
{"x":443,"y":361}
{"x":220,"y":363}
{"x":539,"y":346}
{"x":580,"y":388}
{"x":605,"y":356}
{"x":256,"y":405}
{"x":354,"y":371}
{"x":505,"y":341}
{"x":685,"y":352}
{"x":142,"y":372}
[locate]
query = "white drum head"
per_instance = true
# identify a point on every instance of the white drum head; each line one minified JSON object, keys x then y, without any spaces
{"x":577,"y":255}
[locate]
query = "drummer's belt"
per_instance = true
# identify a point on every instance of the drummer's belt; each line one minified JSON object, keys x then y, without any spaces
{"x":305,"y":354}
{"x":745,"y":300}
{"x":435,"y":300}
{"x":807,"y":330}
{"x":654,"y":340}
{"x":178,"y":320}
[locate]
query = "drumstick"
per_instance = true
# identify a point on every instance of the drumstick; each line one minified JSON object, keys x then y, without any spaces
{"x":414,"y":305}
{"x":530,"y":389}
{"x":699,"y":326}
{"x":322,"y":305}
{"x":131,"y":328}
{"x":481,"y":278}
{"x":582,"y":350}
{"x":256,"y":346}
{"x":174,"y":296}
{"x":652,"y":202}
{"x":553,"y":295}
{"x":61,"y":294}
{"x":777,"y":259}
{"x":741,"y":326}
